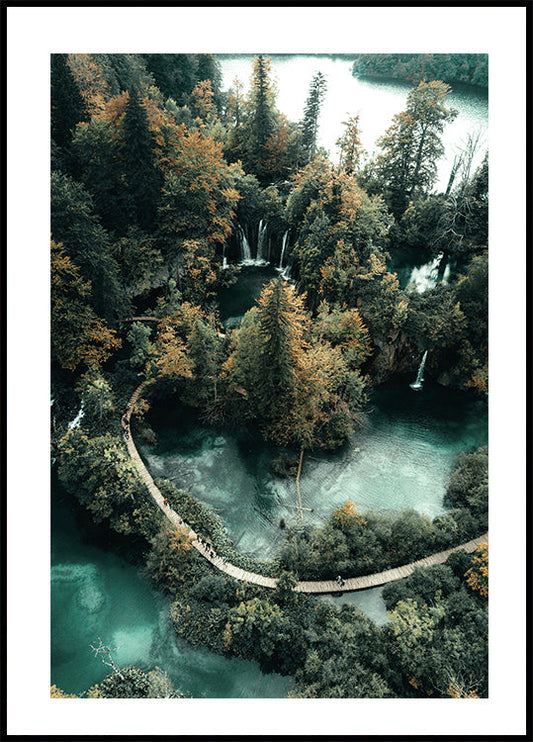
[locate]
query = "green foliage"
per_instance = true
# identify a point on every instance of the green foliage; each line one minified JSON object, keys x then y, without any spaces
{"x":210,"y":526}
{"x":313,"y":104}
{"x":437,"y":633}
{"x":97,"y":151}
{"x":79,"y":337}
{"x":411,"y":147}
{"x":139,"y":259}
{"x":469,"y":483}
{"x":102,"y":476}
{"x":132,"y":682}
{"x":345,"y":657}
{"x":467,"y":68}
{"x":67,"y":105}
{"x":142,"y":178}
{"x":75,"y":225}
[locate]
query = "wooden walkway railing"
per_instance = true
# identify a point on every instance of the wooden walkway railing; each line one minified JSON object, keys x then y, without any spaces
{"x":325,"y":586}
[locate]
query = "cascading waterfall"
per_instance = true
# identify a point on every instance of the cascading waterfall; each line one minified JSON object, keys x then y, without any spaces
{"x":283,"y":246}
{"x":246,"y":255}
{"x":426,"y":276}
{"x":261,"y":257}
{"x":446,"y":274}
{"x":224,"y":258}
{"x":417,"y":385}
{"x":77,"y":420}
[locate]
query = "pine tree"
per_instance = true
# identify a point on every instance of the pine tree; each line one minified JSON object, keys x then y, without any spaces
{"x":317,"y":91}
{"x":141,"y":175}
{"x":262,"y":115}
{"x":67,"y":105}
{"x":412,"y":145}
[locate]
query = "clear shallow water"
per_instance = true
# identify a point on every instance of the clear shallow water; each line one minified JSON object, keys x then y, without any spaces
{"x":369,"y":601}
{"x":97,"y":592}
{"x":400,"y":458}
{"x":376,"y":102}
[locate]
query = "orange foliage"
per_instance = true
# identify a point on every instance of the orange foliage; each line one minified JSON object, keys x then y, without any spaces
{"x":456,"y":690}
{"x":56,"y":692}
{"x":79,"y":336}
{"x":347,"y":516}
{"x":202,"y":99}
{"x":91,"y":81}
{"x":477,"y":577}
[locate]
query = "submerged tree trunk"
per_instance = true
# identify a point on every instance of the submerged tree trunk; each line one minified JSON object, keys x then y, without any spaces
{"x":300,"y":509}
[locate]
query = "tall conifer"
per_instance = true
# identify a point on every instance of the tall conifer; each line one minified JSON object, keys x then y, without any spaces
{"x":141,"y":175}
{"x":317,"y":91}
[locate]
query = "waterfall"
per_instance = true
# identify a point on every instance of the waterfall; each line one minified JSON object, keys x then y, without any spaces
{"x":261,"y":257}
{"x":283,"y":246}
{"x":446,"y":274}
{"x":426,"y":276}
{"x":417,"y":385}
{"x":246,"y":255}
{"x":76,"y":422}
{"x":224,"y":258}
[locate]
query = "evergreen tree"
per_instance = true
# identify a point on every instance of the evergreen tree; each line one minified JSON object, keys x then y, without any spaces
{"x":412,"y":145}
{"x":262,"y":115}
{"x":317,"y":91}
{"x":175,"y":74}
{"x":141,"y":175}
{"x":87,"y":243}
{"x":67,"y":105}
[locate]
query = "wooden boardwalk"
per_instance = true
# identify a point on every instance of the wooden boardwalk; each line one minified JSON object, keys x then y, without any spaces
{"x":327,"y":586}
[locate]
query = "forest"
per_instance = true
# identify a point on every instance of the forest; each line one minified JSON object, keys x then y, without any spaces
{"x":159,"y":181}
{"x":451,"y":68}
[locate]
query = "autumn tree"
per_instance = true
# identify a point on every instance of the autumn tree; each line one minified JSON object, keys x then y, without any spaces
{"x":91,"y":80}
{"x":477,"y":577}
{"x":299,"y":386}
{"x":170,"y":556}
{"x":79,"y":337}
{"x":349,"y":144}
{"x":199,"y":197}
{"x":202,"y":100}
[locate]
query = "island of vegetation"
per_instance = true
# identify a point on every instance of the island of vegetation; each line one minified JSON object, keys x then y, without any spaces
{"x":162,"y":185}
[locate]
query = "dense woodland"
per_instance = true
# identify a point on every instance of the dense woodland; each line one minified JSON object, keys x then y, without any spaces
{"x":472,"y":69}
{"x":155,"y":171}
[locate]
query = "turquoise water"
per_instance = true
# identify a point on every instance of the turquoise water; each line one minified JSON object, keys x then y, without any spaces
{"x":400,"y":458}
{"x":97,"y":591}
{"x":236,"y":299}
